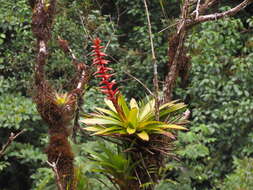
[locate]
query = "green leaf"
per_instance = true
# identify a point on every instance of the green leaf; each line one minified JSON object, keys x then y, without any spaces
{"x":95,"y":115}
{"x":147,"y":109}
{"x":2,"y":35}
{"x":173,"y":108}
{"x":143,"y":135}
{"x":168,"y":104}
{"x":105,"y":131}
{"x":98,"y":121}
{"x":123,"y":104}
{"x":133,"y":116}
{"x":173,"y":126}
{"x":131,"y":130}
{"x":108,"y":112}
{"x":146,"y":123}
{"x":133,"y":104}
{"x":96,"y":128}
{"x":110,"y":105}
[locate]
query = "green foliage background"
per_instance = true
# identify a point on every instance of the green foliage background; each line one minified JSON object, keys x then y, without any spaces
{"x":216,"y":152}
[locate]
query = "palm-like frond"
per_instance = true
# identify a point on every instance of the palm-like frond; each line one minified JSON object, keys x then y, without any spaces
{"x":111,"y":163}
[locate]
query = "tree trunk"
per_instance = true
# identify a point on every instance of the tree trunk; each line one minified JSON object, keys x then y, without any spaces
{"x":57,"y":115}
{"x":59,"y":152}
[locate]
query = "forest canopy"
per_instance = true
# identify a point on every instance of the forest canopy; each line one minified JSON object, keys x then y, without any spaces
{"x":213,"y":60}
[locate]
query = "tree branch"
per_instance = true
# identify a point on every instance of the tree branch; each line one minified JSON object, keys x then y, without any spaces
{"x":176,"y":53}
{"x":139,"y":81}
{"x":197,"y":9}
{"x":53,"y":165}
{"x":11,"y":138}
{"x":58,"y":117}
{"x":230,"y":12}
{"x":178,"y":61}
{"x":206,"y":5}
{"x":155,"y":79}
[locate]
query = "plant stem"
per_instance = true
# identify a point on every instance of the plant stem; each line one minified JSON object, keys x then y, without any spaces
{"x":155,"y":79}
{"x":11,"y":138}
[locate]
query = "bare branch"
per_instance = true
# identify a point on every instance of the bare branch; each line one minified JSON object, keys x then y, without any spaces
{"x":230,"y":12}
{"x":177,"y":50}
{"x":155,"y":79}
{"x":172,"y":25}
{"x":197,"y":9}
{"x":178,"y":60}
{"x":11,"y":138}
{"x":205,"y":6}
{"x":53,"y":165}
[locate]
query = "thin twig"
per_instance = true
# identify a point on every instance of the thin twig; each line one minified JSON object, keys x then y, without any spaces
{"x":167,"y":27}
{"x":139,"y":81}
{"x":53,"y":165}
{"x":11,"y":138}
{"x":155,"y":79}
{"x":136,"y":173}
{"x":197,"y":9}
{"x":82,"y":22}
{"x":107,"y":45}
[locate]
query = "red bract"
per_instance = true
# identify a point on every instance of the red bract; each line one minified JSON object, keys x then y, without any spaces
{"x":102,"y":71}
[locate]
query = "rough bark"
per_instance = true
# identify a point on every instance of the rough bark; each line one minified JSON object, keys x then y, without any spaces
{"x":58,"y":117}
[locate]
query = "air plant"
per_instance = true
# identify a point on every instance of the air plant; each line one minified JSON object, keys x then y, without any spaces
{"x":143,"y":138}
{"x":139,"y":121}
{"x":61,"y":98}
{"x":121,"y":119}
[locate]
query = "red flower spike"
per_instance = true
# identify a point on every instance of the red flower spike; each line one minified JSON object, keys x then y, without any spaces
{"x":102,"y":72}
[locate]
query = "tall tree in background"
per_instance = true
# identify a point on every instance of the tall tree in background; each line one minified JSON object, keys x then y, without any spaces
{"x":192,"y":13}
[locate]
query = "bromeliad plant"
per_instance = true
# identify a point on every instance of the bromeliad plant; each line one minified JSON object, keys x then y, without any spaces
{"x":142,"y":138}
{"x":135,"y":119}
{"x":116,"y":166}
{"x":139,"y":119}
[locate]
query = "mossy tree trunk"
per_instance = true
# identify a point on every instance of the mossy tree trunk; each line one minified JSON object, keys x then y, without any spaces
{"x":57,"y":115}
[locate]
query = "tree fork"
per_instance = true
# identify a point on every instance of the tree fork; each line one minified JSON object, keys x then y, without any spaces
{"x":179,"y":62}
{"x":58,"y":117}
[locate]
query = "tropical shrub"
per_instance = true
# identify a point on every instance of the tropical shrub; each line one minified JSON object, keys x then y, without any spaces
{"x":241,"y":177}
